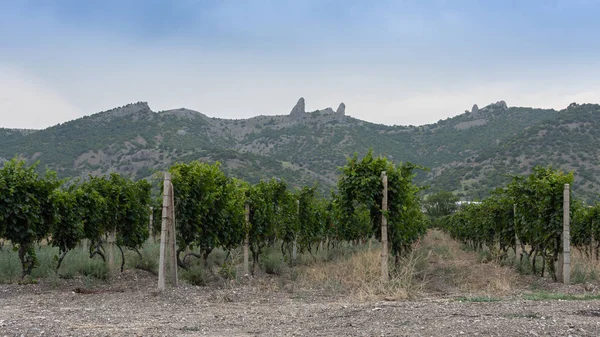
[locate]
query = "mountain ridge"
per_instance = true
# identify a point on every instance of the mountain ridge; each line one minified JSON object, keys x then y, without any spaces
{"x":305,"y":147}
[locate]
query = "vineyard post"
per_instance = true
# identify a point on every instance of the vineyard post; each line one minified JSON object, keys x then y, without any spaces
{"x":593,"y":241}
{"x":247,"y":237}
{"x":565,"y":260}
{"x":162,"y":265}
{"x":111,"y":250}
{"x":515,"y":227}
{"x":172,"y":241}
{"x":150,"y":223}
{"x":384,"y":239}
{"x":295,"y":246}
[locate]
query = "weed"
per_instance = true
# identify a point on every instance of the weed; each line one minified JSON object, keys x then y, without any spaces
{"x":442,"y":251}
{"x":10,"y":266}
{"x":545,"y":296}
{"x":216,"y":258}
{"x":478,"y":299}
{"x":195,"y":275}
{"x":228,"y":271}
{"x":484,"y":256}
{"x":273,"y":264}
{"x":360,"y":276}
{"x":150,"y":256}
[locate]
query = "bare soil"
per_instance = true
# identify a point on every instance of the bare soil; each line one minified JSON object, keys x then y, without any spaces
{"x":449,"y":304}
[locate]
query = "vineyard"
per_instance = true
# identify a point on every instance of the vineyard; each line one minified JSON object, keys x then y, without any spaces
{"x":375,"y":199}
{"x":527,"y":217}
{"x":332,"y":249}
{"x":211,"y":210}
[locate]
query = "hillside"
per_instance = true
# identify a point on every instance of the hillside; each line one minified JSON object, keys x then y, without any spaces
{"x":469,"y":153}
{"x":568,"y":141}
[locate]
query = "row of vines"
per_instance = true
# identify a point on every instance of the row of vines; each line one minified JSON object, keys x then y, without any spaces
{"x":527,"y":216}
{"x":209,"y":211}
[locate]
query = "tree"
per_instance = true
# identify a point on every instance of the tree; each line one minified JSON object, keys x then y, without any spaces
{"x":539,"y":212}
{"x":208,"y":209}
{"x":440,"y":204}
{"x":360,"y":194}
{"x":67,"y":229}
{"x":269,"y":207}
{"x":123,"y":208}
{"x":26,"y":212}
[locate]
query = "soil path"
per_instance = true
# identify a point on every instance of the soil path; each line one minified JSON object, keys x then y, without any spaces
{"x":252,"y":311}
{"x":129,"y":305}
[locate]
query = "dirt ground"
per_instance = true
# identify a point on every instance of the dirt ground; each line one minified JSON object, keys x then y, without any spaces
{"x":134,"y":308}
{"x":447,"y":305}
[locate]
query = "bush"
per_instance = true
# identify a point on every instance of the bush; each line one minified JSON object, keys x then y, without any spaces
{"x":10,"y":266}
{"x":195,"y":275}
{"x":273,"y":263}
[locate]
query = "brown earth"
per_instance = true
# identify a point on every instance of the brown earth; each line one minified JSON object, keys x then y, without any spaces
{"x":449,"y":303}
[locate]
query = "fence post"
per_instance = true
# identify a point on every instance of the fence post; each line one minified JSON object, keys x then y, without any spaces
{"x":515,"y":228}
{"x":110,"y":240}
{"x":385,"y":276}
{"x":172,"y":239}
{"x":566,"y":255}
{"x":295,"y":246}
{"x":246,"y":238}
{"x":150,"y":222}
{"x":162,"y":265}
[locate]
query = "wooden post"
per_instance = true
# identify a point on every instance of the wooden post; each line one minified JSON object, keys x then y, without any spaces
{"x":150,"y":222}
{"x":110,"y":240}
{"x":172,"y":240}
{"x":247,"y":238}
{"x":515,"y":228}
{"x":593,"y":249}
{"x":162,"y":265}
{"x":566,"y":258}
{"x":295,"y":246}
{"x":385,"y":276}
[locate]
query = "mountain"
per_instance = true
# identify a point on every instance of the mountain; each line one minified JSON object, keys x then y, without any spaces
{"x":469,"y":153}
{"x":567,"y":141}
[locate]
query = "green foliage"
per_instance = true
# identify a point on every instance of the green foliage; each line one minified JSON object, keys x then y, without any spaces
{"x":440,"y":204}
{"x":122,"y":206}
{"x":208,"y":207}
{"x":529,"y":208}
{"x":34,"y":208}
{"x":585,"y":227}
{"x":26,"y":211}
{"x":361,"y":192}
{"x":267,"y":212}
{"x":313,"y":218}
{"x":68,"y":227}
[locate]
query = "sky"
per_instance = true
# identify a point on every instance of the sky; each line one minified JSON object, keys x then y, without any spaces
{"x":404,"y":62}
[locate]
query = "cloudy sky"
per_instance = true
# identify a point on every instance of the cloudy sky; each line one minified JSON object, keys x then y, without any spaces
{"x":393,"y":62}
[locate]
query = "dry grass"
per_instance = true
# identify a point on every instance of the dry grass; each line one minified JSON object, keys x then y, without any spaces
{"x":584,"y":269}
{"x":437,"y":266}
{"x":452,"y":270}
{"x":360,"y":277}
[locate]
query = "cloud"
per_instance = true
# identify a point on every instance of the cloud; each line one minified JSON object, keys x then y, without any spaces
{"x":26,"y":101}
{"x":393,"y":62}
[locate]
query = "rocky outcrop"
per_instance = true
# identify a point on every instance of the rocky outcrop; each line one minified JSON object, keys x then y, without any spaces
{"x":184,"y":113}
{"x":499,"y":105}
{"x":341,"y":110}
{"x":475,"y":109}
{"x":299,"y":109}
{"x":133,"y":109}
{"x":495,"y":107}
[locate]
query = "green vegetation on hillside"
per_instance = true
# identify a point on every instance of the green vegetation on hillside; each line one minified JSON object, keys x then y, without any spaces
{"x":469,"y":154}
